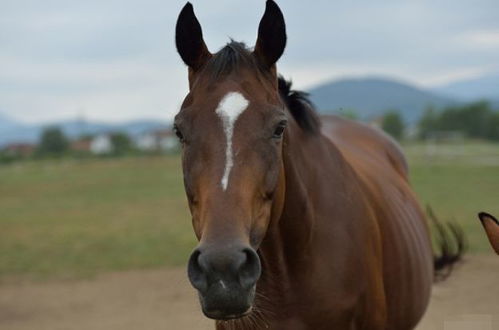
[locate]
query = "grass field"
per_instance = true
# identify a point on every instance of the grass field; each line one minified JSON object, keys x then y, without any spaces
{"x":458,"y":181}
{"x":72,"y":219}
{"x":78,"y":218}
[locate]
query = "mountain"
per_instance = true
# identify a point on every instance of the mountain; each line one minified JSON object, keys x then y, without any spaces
{"x":485,"y":87}
{"x":368,"y":97}
{"x":10,"y":131}
{"x":371,"y":97}
{"x":6,"y":123}
{"x":76,"y":128}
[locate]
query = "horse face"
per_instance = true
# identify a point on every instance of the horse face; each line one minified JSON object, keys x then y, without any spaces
{"x":232,"y":174}
{"x":231,"y":126}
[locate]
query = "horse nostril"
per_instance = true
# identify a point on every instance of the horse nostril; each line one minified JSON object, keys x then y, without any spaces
{"x":250,"y":269}
{"x":196,"y":273}
{"x":228,"y":267}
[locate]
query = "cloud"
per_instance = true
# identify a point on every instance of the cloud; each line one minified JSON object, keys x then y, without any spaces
{"x":116,"y":60}
{"x":115,"y":91}
{"x":483,"y":39}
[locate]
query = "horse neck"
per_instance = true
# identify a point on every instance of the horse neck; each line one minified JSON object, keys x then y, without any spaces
{"x":306,"y":158}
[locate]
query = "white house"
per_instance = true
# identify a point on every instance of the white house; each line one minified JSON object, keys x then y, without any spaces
{"x":101,"y":144}
{"x":160,"y":140}
{"x":146,"y":142}
{"x":168,"y":141}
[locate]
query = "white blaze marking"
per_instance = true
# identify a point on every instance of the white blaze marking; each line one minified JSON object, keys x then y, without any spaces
{"x":222,"y":284}
{"x":229,"y":109}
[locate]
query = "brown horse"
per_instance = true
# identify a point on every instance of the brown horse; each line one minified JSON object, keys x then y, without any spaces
{"x":491,"y":226}
{"x":303,"y":222}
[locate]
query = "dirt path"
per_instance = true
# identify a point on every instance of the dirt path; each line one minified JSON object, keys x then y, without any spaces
{"x":162,"y":299}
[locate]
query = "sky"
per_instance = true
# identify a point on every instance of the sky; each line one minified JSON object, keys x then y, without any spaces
{"x":115,"y":61}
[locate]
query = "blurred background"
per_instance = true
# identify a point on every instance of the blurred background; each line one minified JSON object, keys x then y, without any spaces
{"x":94,"y":223}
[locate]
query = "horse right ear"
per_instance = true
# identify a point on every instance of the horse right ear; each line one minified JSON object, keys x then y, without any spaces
{"x":271,"y":39}
{"x":189,"y":39}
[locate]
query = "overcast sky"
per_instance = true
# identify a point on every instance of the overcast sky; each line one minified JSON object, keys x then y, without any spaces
{"x":115,"y":60}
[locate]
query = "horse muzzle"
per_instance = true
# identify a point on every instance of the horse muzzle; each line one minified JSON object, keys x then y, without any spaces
{"x":225,"y":279}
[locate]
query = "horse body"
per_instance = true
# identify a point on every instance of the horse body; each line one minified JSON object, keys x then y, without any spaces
{"x":405,"y":239}
{"x":303,"y":222}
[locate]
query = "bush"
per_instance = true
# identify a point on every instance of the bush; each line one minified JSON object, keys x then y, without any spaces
{"x":7,"y":158}
{"x":122,"y":144}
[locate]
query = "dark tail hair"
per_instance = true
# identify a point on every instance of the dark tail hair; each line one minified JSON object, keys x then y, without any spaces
{"x":451,"y":246}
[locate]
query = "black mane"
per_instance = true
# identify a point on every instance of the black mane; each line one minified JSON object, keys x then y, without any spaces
{"x":300,"y":106}
{"x":229,"y":59}
{"x":235,"y":55}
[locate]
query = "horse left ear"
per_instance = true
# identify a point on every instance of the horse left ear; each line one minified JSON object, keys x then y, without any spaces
{"x":271,"y":35}
{"x":491,"y":226}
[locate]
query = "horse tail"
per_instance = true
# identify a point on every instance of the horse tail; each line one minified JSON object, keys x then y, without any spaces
{"x":451,"y":244}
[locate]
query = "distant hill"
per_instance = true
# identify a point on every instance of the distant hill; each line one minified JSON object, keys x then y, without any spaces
{"x":485,"y":87}
{"x":368,"y":97}
{"x":6,"y":123}
{"x":11,"y":131}
{"x":9,"y":128}
{"x":371,"y":97}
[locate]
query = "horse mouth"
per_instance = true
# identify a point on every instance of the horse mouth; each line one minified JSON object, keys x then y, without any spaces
{"x":227,"y":305}
{"x":222,"y":316}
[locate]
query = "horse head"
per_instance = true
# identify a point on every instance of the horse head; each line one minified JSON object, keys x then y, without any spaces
{"x":231,"y":126}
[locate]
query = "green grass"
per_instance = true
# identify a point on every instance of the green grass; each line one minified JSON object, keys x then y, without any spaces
{"x":458,"y":181}
{"x":79,"y":218}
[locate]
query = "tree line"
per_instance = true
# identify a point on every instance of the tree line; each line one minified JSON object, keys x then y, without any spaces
{"x":476,"y":120}
{"x":53,"y":143}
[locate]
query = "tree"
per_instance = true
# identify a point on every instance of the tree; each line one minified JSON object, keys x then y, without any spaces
{"x":428,"y":123}
{"x":493,"y":129}
{"x":53,"y":142}
{"x":121,"y":143}
{"x":393,"y":124}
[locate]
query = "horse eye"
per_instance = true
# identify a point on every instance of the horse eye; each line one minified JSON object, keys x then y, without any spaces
{"x":178,"y":133}
{"x":279,"y":130}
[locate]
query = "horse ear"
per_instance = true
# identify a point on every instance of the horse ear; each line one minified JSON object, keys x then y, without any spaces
{"x":271,"y":35}
{"x":491,"y":226}
{"x":189,"y":39}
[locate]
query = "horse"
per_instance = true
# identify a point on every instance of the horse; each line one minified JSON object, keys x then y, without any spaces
{"x":303,"y":221}
{"x":491,"y":226}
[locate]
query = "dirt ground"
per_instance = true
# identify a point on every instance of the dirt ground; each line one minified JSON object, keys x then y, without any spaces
{"x":163,"y":299}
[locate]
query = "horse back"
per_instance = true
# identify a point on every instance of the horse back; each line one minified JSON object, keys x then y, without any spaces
{"x":407,"y":258}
